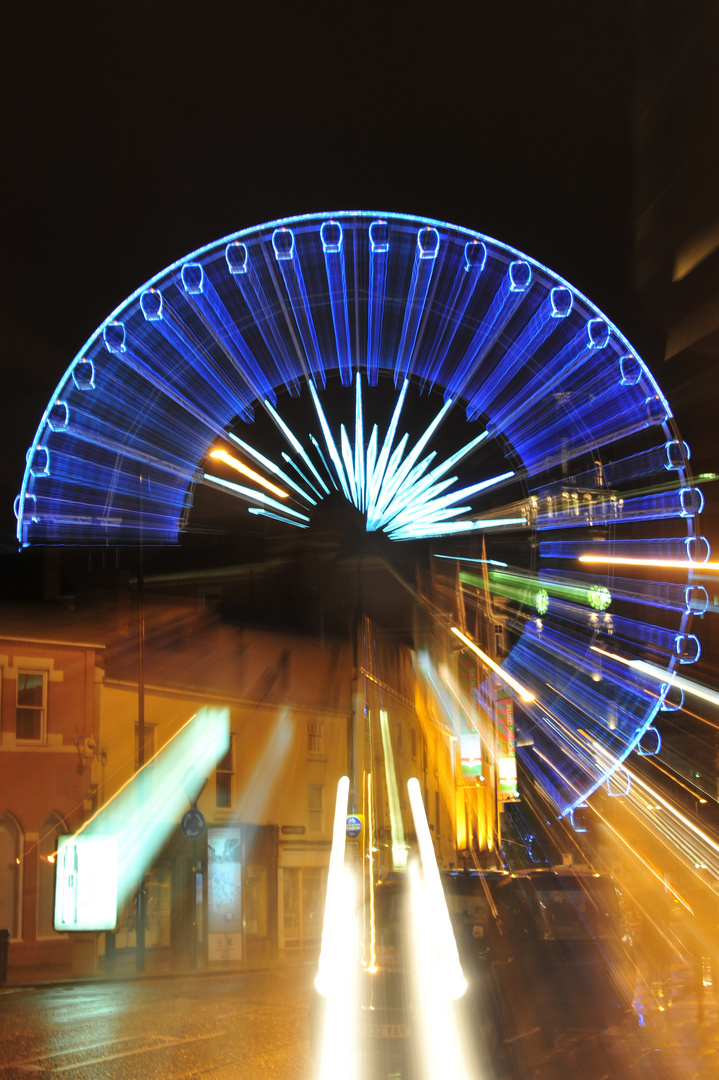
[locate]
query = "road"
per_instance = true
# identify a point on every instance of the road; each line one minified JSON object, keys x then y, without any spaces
{"x":227,"y":1028}
{"x":251,"y":1026}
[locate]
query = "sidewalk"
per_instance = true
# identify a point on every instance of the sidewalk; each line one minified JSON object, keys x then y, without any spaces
{"x":159,"y":964}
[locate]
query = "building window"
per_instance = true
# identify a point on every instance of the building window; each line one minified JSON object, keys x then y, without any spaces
{"x":315,"y":738}
{"x":315,"y":806}
{"x":413,"y":736}
{"x":436,"y":812}
{"x":149,"y":744}
{"x":31,"y":706}
{"x":11,"y":848}
{"x":398,"y":728}
{"x":223,"y":780}
{"x":302,"y":903}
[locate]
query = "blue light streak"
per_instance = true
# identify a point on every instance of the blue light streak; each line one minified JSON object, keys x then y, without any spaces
{"x":286,"y":457}
{"x":359,"y":446}
{"x":277,"y":517}
{"x":424,"y":262}
{"x":333,"y":248}
{"x":462,"y":558}
{"x":237,"y":322}
{"x":331,"y":448}
{"x":323,"y":459}
{"x":379,"y":248}
{"x":289,"y":264}
{"x":252,"y":495}
{"x":295,"y":443}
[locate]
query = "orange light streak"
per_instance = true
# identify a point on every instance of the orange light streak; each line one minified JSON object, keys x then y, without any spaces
{"x":223,"y":455}
{"x":644,"y":861}
{"x":524,"y":694}
{"x":657,"y":798}
{"x":620,"y":560}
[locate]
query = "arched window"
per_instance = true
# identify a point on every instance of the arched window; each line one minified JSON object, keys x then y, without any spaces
{"x":53,"y":827}
{"x":11,"y":844}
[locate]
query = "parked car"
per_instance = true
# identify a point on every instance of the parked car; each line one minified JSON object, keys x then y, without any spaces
{"x":551,"y":944}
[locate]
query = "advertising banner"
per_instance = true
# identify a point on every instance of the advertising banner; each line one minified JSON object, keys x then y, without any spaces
{"x":506,"y":751}
{"x":224,"y":893}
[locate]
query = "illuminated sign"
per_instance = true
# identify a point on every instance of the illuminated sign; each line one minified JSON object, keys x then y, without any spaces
{"x":470,"y":744}
{"x":506,"y":754}
{"x":86,"y":888}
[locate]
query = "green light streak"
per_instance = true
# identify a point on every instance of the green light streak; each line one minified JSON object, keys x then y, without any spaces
{"x":535,"y":591}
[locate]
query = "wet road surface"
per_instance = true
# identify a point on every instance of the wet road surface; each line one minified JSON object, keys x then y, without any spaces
{"x":255,"y":1025}
{"x":238,"y":1027}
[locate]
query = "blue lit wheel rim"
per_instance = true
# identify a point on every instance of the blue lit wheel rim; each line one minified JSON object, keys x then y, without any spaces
{"x":531,"y":424}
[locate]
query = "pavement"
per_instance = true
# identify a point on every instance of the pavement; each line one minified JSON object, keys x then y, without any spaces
{"x":159,"y":964}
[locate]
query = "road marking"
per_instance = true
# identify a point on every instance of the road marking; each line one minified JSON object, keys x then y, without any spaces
{"x":31,"y":1064}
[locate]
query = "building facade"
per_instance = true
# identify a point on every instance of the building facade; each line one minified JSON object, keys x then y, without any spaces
{"x":48,"y":737}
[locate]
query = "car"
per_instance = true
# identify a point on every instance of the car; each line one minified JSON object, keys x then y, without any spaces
{"x":551,"y":944}
{"x":390,"y":1042}
{"x":585,"y":957}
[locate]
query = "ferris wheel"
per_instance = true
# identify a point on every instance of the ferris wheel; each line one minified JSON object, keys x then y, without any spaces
{"x":457,"y":394}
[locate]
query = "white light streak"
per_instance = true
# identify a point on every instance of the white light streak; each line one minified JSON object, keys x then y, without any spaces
{"x":663,"y":676}
{"x":451,"y":974}
{"x":142,"y":815}
{"x":394,"y":489}
{"x":422,"y":531}
{"x":329,"y":969}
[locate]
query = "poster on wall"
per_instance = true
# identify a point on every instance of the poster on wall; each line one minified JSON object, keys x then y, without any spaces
{"x":224,"y":893}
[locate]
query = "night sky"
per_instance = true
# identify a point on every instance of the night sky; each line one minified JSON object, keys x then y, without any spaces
{"x":132,"y":134}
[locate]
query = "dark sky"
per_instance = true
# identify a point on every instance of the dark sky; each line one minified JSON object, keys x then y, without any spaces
{"x":132,"y":134}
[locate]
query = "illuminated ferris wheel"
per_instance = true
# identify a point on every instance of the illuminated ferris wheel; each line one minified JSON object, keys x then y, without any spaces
{"x":456,"y":393}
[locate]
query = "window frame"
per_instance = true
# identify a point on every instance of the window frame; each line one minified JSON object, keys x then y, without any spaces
{"x":228,"y":777}
{"x":317,"y":736}
{"x":314,"y":810}
{"x":44,"y":676}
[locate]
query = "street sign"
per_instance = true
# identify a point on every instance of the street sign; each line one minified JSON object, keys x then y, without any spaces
{"x":192,"y":825}
{"x":354,"y":826}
